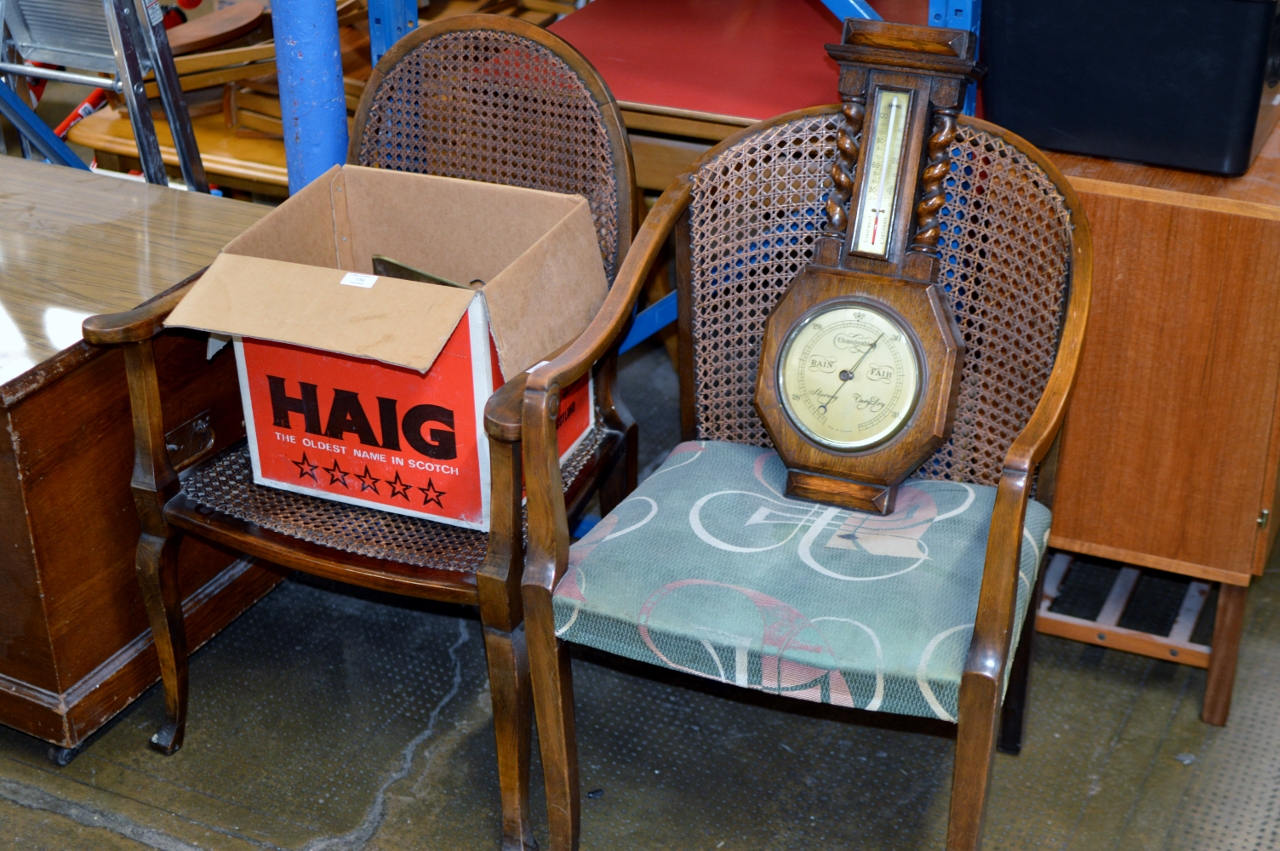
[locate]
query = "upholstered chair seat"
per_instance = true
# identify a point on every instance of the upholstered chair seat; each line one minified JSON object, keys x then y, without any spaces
{"x":708,"y":568}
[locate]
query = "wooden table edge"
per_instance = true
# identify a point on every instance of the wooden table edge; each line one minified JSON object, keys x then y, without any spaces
{"x":1175,"y":198}
{"x":1184,"y":568}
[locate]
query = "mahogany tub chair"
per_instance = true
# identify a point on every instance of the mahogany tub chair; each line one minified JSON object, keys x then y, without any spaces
{"x":707,"y":568}
{"x":480,"y":97}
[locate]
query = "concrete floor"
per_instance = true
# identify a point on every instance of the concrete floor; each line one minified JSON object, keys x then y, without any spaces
{"x":329,"y":718}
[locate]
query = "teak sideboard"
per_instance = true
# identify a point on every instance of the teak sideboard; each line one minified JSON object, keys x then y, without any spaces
{"x":1171,"y":447}
{"x":75,"y":647}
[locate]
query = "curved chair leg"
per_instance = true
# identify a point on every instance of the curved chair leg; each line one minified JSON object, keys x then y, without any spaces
{"x":557,"y":739}
{"x":158,"y":574}
{"x":975,"y":749}
{"x":513,"y":725}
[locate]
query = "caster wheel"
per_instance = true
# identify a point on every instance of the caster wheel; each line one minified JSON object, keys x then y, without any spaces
{"x":62,"y":757}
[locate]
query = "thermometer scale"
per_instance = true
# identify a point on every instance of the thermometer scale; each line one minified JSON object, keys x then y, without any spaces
{"x":879,"y":189}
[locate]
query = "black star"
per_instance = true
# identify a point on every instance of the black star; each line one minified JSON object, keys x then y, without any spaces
{"x":430,"y":494}
{"x":399,"y":487}
{"x":367,"y":481}
{"x":306,"y":468}
{"x":337,"y":475}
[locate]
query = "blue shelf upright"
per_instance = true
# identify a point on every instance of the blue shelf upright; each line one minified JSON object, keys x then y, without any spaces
{"x":960,"y":15}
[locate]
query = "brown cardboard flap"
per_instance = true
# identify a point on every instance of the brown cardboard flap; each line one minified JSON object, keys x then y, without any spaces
{"x":460,"y":229}
{"x":394,"y":321}
{"x":537,"y":252}
{"x":555,"y":280}
{"x":298,"y":231}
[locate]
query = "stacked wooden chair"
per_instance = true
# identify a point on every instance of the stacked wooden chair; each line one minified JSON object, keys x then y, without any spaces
{"x":478,"y":97}
{"x":709,"y":569}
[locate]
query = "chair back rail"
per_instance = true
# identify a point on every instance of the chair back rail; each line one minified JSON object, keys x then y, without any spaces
{"x":1006,"y":251}
{"x":496,"y":99}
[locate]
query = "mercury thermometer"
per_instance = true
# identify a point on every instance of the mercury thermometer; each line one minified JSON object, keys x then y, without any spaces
{"x":884,"y":163}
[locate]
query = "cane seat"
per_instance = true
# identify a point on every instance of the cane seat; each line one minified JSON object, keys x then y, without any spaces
{"x":225,"y":485}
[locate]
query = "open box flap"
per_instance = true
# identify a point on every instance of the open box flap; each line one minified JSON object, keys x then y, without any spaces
{"x":536,"y":251}
{"x":301,"y":230}
{"x":394,"y":321}
{"x":549,"y":295}
{"x":280,"y":280}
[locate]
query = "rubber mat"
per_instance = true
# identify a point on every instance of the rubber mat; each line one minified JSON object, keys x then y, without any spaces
{"x":1234,"y":803}
{"x":1085,"y":588}
{"x":1156,"y":601}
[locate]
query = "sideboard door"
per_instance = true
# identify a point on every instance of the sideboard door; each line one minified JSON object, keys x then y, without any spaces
{"x":1170,"y":448}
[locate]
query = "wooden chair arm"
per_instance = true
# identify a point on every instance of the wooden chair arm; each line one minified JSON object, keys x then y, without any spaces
{"x":548,"y":526}
{"x":142,"y":323}
{"x":993,"y":627}
{"x":155,"y":481}
{"x":504,"y":411}
{"x":498,"y":579}
{"x":989,"y":651}
{"x":572,"y":363}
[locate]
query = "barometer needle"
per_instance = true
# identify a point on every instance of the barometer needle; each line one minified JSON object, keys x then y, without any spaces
{"x":846,"y":375}
{"x":853,"y":371}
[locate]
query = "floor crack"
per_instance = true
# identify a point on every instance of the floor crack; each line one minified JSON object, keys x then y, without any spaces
{"x":38,"y":799}
{"x":356,"y":839}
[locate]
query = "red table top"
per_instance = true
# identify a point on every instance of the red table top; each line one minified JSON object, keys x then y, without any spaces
{"x":746,"y":58}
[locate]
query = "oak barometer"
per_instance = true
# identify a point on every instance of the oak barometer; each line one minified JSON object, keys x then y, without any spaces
{"x":860,"y":368}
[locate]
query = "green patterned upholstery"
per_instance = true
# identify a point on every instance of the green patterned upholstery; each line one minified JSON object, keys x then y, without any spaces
{"x":707,"y":568}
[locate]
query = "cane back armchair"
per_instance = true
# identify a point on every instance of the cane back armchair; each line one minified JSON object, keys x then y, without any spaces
{"x":480,"y":97}
{"x":708,"y":568}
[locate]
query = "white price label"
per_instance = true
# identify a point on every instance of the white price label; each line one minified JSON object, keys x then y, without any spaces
{"x":351,"y":279}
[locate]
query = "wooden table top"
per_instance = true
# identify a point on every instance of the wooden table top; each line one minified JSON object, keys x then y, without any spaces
{"x":748,"y":59}
{"x":727,"y":57}
{"x":73,"y":244}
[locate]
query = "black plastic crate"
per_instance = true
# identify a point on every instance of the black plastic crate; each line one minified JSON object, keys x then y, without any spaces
{"x":1191,"y":84}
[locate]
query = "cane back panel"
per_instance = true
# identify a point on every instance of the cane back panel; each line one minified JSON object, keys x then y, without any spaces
{"x":754,"y":212}
{"x":497,"y":107}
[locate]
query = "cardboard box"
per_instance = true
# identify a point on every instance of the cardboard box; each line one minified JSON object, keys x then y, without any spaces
{"x":370,"y":390}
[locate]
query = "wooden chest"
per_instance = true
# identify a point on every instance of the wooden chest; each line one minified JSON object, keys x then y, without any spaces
{"x":75,"y":647}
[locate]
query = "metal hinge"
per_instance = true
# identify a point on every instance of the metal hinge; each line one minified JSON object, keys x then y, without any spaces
{"x":1263,"y":518}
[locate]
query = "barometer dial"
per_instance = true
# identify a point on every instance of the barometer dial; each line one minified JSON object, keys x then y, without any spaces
{"x":849,"y":376}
